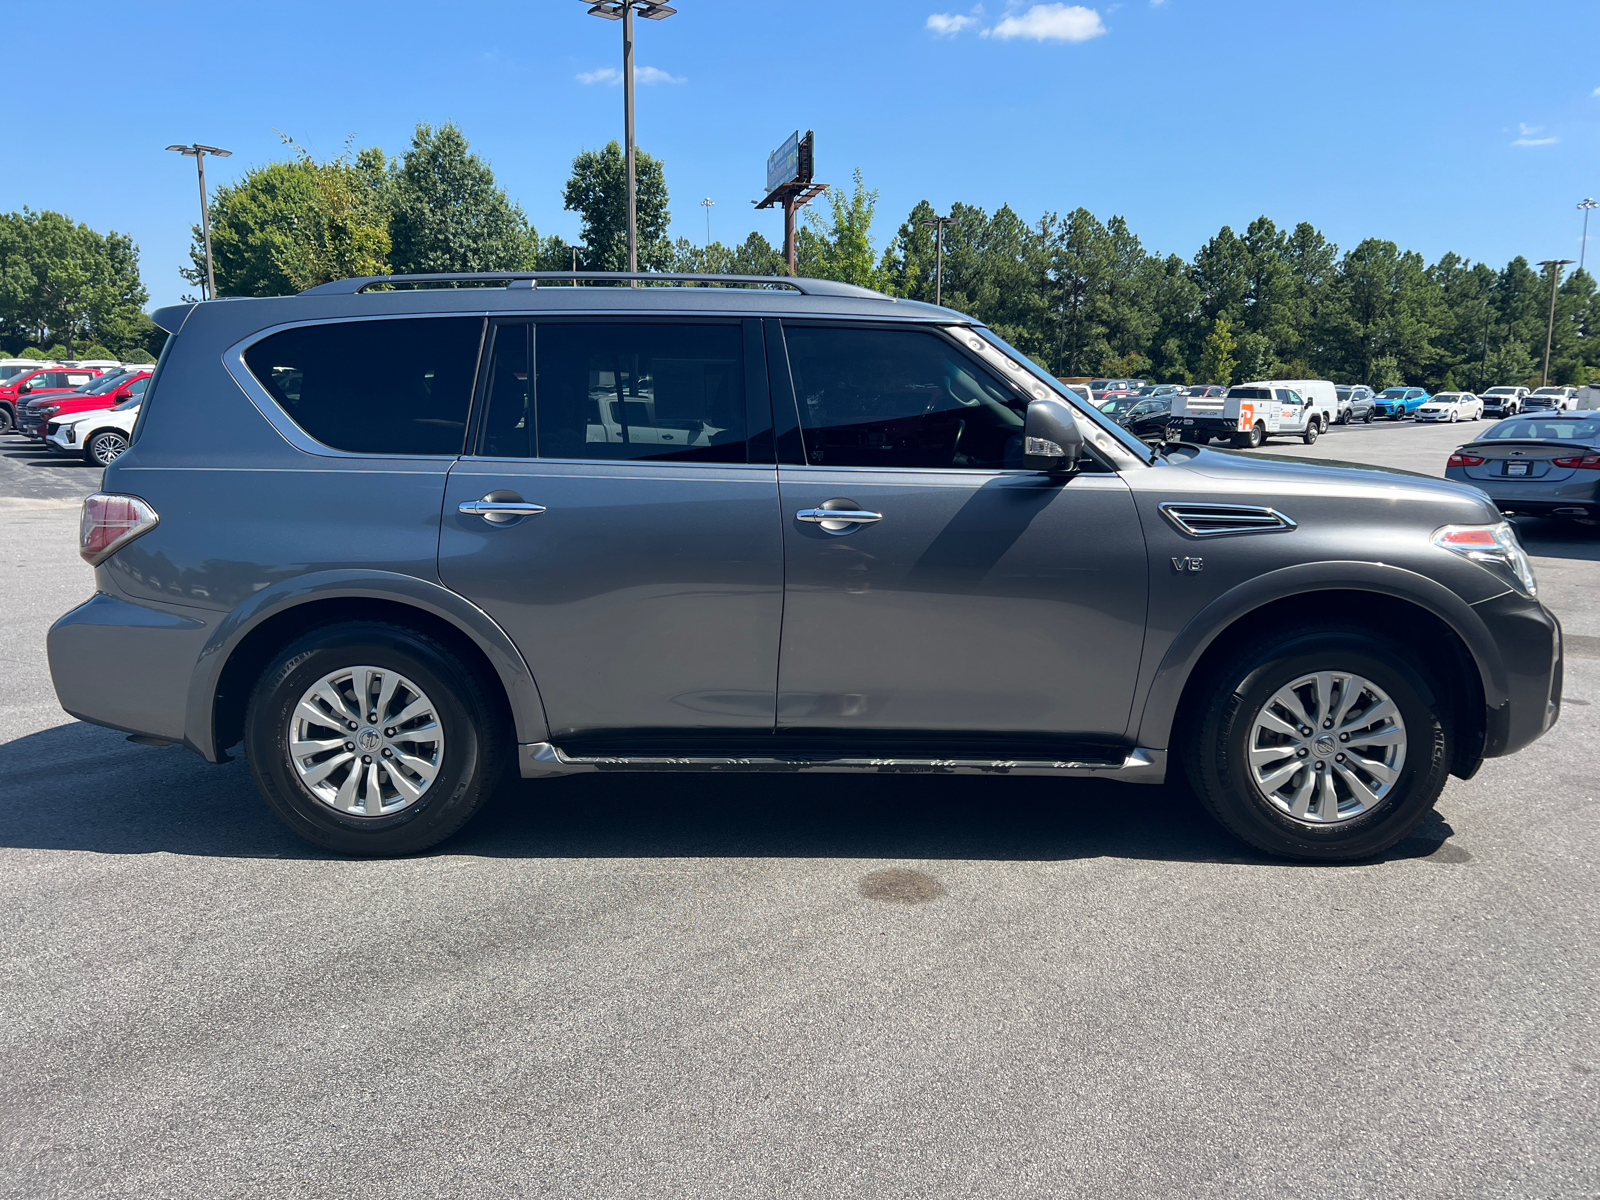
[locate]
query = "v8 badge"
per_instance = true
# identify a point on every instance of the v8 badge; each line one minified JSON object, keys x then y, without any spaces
{"x":1193,"y":565}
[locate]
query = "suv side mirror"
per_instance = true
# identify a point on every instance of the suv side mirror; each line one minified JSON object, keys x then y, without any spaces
{"x":25,"y":389}
{"x":1050,"y":438}
{"x":122,"y":393}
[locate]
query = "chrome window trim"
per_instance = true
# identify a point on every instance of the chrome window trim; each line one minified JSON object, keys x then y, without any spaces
{"x":257,"y":394}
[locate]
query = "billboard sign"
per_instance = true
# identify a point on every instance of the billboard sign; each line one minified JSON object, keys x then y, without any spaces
{"x":783,"y":164}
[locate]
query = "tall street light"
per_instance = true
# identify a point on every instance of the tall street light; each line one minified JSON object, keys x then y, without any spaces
{"x":938,"y":224}
{"x":1585,"y":204}
{"x":1555,"y":265}
{"x":623,"y":10}
{"x":708,"y":204}
{"x":198,"y":153}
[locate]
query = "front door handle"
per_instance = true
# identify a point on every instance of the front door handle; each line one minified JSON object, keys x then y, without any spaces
{"x":850,"y":516}
{"x":499,"y":512}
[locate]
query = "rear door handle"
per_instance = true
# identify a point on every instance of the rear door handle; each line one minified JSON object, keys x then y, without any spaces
{"x":853,"y":516}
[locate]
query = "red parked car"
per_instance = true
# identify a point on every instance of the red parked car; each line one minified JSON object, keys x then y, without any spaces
{"x":29,"y":385}
{"x":106,"y":392}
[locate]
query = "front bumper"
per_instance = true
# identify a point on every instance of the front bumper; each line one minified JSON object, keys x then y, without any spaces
{"x":1529,"y":638}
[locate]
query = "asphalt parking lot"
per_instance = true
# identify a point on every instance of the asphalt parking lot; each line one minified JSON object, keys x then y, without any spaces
{"x":830,"y":987}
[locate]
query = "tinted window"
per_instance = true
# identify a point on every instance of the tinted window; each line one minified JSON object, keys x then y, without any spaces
{"x":900,"y":398}
{"x":659,"y":392}
{"x":375,"y":387}
{"x":1543,"y":429}
{"x":1245,"y":393}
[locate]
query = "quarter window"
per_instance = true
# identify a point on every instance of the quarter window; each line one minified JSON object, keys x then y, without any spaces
{"x":375,"y":387}
{"x":900,"y":398}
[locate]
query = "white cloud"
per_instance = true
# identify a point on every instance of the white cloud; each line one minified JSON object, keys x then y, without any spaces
{"x":1528,"y":138}
{"x":1596,"y":92}
{"x":644,"y":75}
{"x":1050,"y":23}
{"x":948,"y":24}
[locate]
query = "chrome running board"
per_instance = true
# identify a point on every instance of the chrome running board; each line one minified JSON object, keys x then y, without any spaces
{"x":541,"y":760}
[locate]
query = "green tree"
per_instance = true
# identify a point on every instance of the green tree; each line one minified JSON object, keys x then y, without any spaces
{"x":839,"y":246}
{"x":598,"y":192}
{"x":255,"y":222}
{"x":62,"y":281}
{"x":345,"y":233}
{"x":1216,"y":358}
{"x":448,"y":214}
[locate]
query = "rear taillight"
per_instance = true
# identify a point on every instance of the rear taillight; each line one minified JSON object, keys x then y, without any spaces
{"x":111,"y":522}
{"x":1459,"y":459}
{"x":1584,"y":462}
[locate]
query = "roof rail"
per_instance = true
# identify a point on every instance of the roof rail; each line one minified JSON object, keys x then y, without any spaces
{"x":806,"y":287}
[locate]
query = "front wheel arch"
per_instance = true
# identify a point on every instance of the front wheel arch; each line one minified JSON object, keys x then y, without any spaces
{"x":1474,"y":671}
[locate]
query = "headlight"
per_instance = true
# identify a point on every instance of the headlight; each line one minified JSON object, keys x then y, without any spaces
{"x":1493,"y":547}
{"x":50,"y":410}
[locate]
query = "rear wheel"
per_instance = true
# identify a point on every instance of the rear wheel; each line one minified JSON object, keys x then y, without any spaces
{"x":1370,"y":414}
{"x":372,"y":739}
{"x":1319,"y":745}
{"x":106,"y":447}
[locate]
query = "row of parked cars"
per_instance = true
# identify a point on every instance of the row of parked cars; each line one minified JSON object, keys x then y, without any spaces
{"x":1249,"y":413}
{"x":82,"y":409}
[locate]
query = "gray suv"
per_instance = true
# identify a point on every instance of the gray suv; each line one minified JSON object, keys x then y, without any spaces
{"x":399,"y":536}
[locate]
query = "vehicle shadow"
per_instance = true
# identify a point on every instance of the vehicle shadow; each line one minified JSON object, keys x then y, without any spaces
{"x":79,"y":787}
{"x":31,"y":456}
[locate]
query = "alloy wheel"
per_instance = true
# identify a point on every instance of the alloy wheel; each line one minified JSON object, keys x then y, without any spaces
{"x":366,"y":741}
{"x":1327,"y":748}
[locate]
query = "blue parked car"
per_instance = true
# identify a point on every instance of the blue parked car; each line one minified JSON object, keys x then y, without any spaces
{"x":1400,"y":402}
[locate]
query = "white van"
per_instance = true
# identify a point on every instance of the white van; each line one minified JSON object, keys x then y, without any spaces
{"x":1252,"y":412}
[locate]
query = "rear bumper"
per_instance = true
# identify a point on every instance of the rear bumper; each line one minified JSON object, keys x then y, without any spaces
{"x":125,"y":665}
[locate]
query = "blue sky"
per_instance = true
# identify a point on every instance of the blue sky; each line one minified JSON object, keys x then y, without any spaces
{"x":1464,"y":126}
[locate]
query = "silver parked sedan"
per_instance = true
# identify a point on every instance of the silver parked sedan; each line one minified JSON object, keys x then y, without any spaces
{"x":1538,"y":464}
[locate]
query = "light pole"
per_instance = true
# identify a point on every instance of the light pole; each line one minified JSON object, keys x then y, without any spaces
{"x":198,"y":153}
{"x":1555,"y":265}
{"x":938,"y":224}
{"x":623,"y":10}
{"x":1585,"y":204}
{"x":708,"y":204}
{"x":575,"y":248}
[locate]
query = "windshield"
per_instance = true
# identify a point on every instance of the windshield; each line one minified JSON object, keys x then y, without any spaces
{"x":1447,"y":397}
{"x":1543,"y":429}
{"x":106,"y":383}
{"x":1498,"y":392}
{"x":1342,"y":392}
{"x":1099,"y":385}
{"x":1394,"y":393}
{"x":1149,"y":389}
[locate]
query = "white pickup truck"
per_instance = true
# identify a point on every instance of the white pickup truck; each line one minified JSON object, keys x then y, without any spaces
{"x":1252,"y":412}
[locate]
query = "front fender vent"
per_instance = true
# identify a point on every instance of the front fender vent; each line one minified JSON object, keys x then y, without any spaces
{"x":1209,"y":520}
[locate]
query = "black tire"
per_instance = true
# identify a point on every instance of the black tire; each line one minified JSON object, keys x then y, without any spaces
{"x":474,"y":752}
{"x":8,"y":420}
{"x":106,"y":446}
{"x":1371,"y":413}
{"x":1312,"y":430}
{"x":1216,"y":743}
{"x":1258,"y":435}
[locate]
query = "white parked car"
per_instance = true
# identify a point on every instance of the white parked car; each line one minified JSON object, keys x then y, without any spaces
{"x":98,"y":436}
{"x":1558,"y":398}
{"x":1451,"y":406}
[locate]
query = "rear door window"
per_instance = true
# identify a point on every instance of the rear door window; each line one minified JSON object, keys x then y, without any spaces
{"x":375,"y":387}
{"x":655,"y":392}
{"x":899,"y":398}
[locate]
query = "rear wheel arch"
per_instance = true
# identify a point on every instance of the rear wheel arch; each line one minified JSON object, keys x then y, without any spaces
{"x":243,"y":646}
{"x":1465,"y":675}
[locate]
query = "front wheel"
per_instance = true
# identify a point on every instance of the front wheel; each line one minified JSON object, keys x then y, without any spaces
{"x":8,"y":419}
{"x":106,"y":447}
{"x":1312,"y":430}
{"x":1323,"y":745}
{"x":372,"y":739}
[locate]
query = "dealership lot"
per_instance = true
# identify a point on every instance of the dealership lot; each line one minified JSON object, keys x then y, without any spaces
{"x":707,"y":985}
